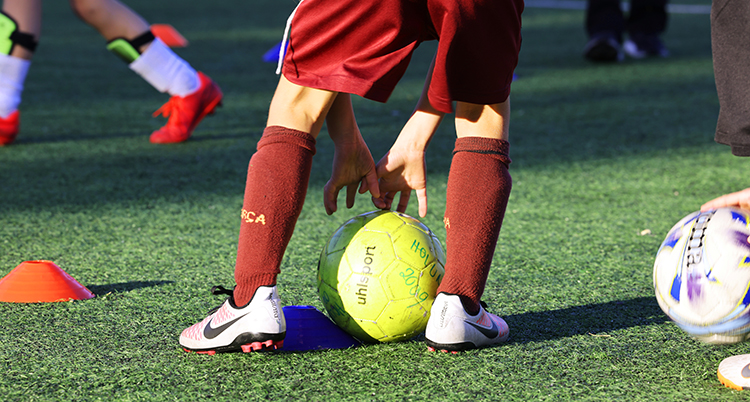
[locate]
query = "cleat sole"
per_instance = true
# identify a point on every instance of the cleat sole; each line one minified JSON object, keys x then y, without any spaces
{"x":431,"y":349}
{"x":265,"y":346}
{"x":261,"y":346}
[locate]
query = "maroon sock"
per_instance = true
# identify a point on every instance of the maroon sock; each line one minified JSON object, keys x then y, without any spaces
{"x":275,"y":191}
{"x":478,"y":190}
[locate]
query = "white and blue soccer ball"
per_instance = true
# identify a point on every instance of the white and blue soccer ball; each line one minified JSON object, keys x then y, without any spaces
{"x":702,"y":275}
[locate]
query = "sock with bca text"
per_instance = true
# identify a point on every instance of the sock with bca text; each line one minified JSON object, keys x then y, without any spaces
{"x":478,"y":189}
{"x":277,"y":179}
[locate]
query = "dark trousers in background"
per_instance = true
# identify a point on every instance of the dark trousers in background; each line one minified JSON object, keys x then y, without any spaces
{"x":647,"y":17}
{"x":730,"y":43}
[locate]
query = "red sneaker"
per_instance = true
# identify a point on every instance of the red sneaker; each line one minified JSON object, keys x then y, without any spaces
{"x":9,"y":128}
{"x":185,"y":113}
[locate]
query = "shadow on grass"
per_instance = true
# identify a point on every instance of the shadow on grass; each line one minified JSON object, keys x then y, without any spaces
{"x":74,"y":137}
{"x":101,"y":290}
{"x":199,"y":137}
{"x":595,"y":319}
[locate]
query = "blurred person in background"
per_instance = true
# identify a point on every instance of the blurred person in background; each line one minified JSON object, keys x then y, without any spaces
{"x":607,"y":27}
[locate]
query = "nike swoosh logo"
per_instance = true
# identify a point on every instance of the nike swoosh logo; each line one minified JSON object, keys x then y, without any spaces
{"x":490,"y":333}
{"x":746,"y":371}
{"x":211,"y":333}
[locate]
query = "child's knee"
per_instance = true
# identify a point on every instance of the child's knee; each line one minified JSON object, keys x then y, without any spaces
{"x":87,"y":10}
{"x":476,"y":120}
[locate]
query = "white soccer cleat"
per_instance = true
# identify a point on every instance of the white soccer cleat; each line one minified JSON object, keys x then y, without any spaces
{"x":259,"y":325}
{"x":734,"y":372}
{"x":451,"y":328}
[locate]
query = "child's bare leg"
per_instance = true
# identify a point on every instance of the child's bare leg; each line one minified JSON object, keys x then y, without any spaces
{"x":299,"y":108}
{"x":488,"y":121}
{"x":111,"y":18}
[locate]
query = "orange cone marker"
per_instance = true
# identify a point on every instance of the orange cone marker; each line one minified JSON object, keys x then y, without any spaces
{"x":40,"y":281}
{"x":168,"y":35}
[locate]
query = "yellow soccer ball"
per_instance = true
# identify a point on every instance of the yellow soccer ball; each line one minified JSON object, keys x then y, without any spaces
{"x":378,"y":275}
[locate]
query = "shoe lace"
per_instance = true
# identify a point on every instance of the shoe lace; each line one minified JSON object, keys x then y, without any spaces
{"x":220,"y":290}
{"x":167,"y":108}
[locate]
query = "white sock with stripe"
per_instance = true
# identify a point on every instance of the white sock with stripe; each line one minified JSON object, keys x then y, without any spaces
{"x":13,"y":71}
{"x":165,"y":70}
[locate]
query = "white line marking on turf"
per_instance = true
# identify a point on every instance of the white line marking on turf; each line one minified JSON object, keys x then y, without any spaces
{"x":581,"y":5}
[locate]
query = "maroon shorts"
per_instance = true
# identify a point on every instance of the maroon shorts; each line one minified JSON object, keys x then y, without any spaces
{"x":364,"y":46}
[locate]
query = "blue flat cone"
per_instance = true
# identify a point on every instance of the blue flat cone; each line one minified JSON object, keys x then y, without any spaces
{"x":309,"y":329}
